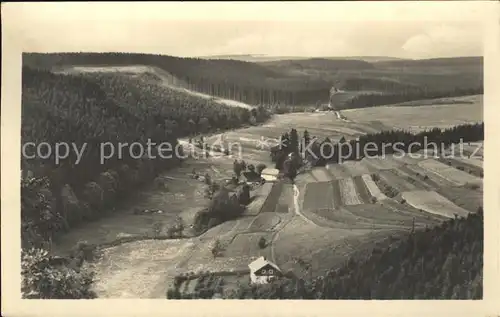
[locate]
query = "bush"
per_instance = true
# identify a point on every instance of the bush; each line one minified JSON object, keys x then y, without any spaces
{"x":260,"y":167}
{"x":472,"y":186}
{"x":71,"y":210}
{"x":244,"y":195}
{"x":43,"y":280}
{"x":94,"y":195}
{"x":262,"y":243}
{"x":84,"y":251}
{"x":160,"y":183}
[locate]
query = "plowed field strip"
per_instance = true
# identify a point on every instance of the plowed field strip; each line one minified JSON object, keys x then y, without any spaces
{"x":432,"y":202}
{"x":396,"y":181}
{"x":348,"y":192}
{"x":433,"y":179}
{"x":412,"y":212}
{"x":372,"y":187}
{"x":462,"y":166}
{"x":377,"y":214}
{"x":413,"y":178}
{"x":356,"y":168}
{"x":337,"y":171}
{"x":363,"y":192}
{"x":470,"y":161}
{"x":336,"y":196}
{"x":321,"y":174}
{"x":449,"y":173}
{"x":344,"y":219}
{"x":406,"y":159}
{"x":272,"y":199}
{"x":318,"y":196}
{"x":377,"y":164}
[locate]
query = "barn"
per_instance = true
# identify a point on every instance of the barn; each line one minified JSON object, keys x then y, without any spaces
{"x":263,"y":271}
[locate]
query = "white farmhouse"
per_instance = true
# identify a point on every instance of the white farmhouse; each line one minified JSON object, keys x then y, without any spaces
{"x":263,"y":271}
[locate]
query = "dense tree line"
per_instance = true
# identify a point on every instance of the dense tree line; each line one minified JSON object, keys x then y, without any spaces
{"x":97,"y":109}
{"x":445,"y":262}
{"x":44,"y":276}
{"x":325,"y":151}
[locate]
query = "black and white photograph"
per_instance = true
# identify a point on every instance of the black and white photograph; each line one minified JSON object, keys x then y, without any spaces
{"x":250,"y":158}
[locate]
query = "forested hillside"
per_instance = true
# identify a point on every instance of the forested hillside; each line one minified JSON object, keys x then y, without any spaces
{"x":445,"y":262}
{"x":304,"y":82}
{"x":95,"y":109}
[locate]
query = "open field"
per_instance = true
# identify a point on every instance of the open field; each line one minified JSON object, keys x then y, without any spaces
{"x":372,"y":187}
{"x":319,"y":195}
{"x":474,"y":99}
{"x":397,"y":182}
{"x":432,"y":202}
{"x":475,"y":149}
{"x":260,"y":197}
{"x":382,"y":163}
{"x":138,"y":269}
{"x":348,"y":192}
{"x":450,"y":173}
{"x":322,"y":248}
{"x":363,"y":192}
{"x":432,"y":179}
{"x":470,"y":161}
{"x":321,"y":174}
{"x":466,"y":198}
{"x":338,"y":171}
{"x":469,"y":165}
{"x":420,"y":118}
{"x":378,"y":215}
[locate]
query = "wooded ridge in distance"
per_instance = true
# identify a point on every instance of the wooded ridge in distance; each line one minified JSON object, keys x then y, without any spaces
{"x":299,"y":82}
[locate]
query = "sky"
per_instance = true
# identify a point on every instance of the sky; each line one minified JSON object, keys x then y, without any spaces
{"x":402,"y":29}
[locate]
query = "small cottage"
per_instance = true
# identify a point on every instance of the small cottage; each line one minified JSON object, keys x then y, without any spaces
{"x":263,"y":271}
